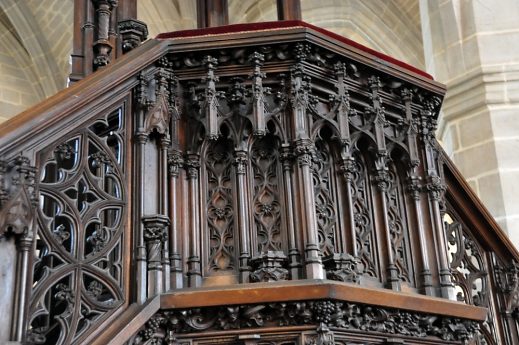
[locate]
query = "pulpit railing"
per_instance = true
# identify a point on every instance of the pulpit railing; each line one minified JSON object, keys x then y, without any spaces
{"x":222,"y":162}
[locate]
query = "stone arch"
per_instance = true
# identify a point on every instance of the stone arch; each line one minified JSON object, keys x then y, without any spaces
{"x":37,"y":37}
{"x":167,"y":15}
{"x":387,"y":26}
{"x":17,"y":87}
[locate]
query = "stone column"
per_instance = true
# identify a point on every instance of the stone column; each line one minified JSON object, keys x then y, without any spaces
{"x":472,"y":47}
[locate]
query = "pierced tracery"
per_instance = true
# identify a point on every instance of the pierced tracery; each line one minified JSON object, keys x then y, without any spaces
{"x":325,"y":202}
{"x":363,"y":218}
{"x":78,"y":269}
{"x":399,"y":233}
{"x":220,"y":212}
{"x":267,"y":206}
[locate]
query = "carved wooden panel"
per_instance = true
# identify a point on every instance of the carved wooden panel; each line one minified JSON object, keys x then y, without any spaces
{"x":267,"y":200}
{"x":78,"y":274}
{"x":398,"y":228}
{"x":220,"y":207}
{"x":326,"y":189}
{"x":324,"y":318}
{"x":363,"y":218}
{"x":470,"y":273}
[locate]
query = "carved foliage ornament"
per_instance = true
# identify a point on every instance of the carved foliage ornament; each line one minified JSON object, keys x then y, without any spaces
{"x":323,"y":314}
{"x":507,"y":281}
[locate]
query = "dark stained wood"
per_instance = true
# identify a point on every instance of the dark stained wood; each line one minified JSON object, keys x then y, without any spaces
{"x":309,"y":169}
{"x":127,"y":323}
{"x":289,"y":10}
{"x":192,"y":43}
{"x":212,"y":13}
{"x":96,"y":39}
{"x":126,"y":9}
{"x":315,"y":290}
{"x":463,"y":198}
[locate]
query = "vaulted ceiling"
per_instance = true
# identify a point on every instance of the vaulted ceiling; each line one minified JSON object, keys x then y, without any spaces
{"x":36,"y":35}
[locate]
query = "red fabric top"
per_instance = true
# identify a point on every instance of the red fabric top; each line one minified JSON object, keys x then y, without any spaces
{"x":283,"y":25}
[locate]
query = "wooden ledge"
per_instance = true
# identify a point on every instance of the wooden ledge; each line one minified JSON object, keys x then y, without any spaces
{"x":301,"y":290}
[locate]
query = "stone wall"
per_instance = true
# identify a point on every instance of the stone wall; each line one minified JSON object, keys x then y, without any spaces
{"x":472,"y":47}
{"x":35,"y":45}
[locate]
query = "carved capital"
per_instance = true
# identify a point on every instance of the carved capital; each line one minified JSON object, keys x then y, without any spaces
{"x":17,"y":197}
{"x":237,"y":92}
{"x":133,"y":32}
{"x":305,"y":151}
{"x":175,"y":161}
{"x":342,"y":267}
{"x":348,"y":168}
{"x":324,"y":336}
{"x":155,"y":234}
{"x":406,"y":95}
{"x":240,"y":161}
{"x":507,"y":282}
{"x":155,"y":228}
{"x":286,"y":157}
{"x":414,"y":187}
{"x":435,"y":187}
{"x":268,"y":267}
{"x":374,"y":83}
{"x":192,"y":165}
{"x":383,"y":180}
{"x":429,"y":117}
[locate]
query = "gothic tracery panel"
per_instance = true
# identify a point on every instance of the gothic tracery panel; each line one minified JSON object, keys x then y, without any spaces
{"x":267,"y":207}
{"x":78,"y":268}
{"x":470,"y":276}
{"x":325,"y":202}
{"x":220,"y":211}
{"x":364,"y":228}
{"x":399,"y":233}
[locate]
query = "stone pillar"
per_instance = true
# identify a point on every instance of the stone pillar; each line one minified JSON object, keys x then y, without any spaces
{"x":472,"y":47}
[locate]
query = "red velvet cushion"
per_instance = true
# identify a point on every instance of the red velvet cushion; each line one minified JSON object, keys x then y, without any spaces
{"x":283,"y":25}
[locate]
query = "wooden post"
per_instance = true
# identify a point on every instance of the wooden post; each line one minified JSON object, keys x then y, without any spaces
{"x":289,"y":9}
{"x":212,"y":13}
